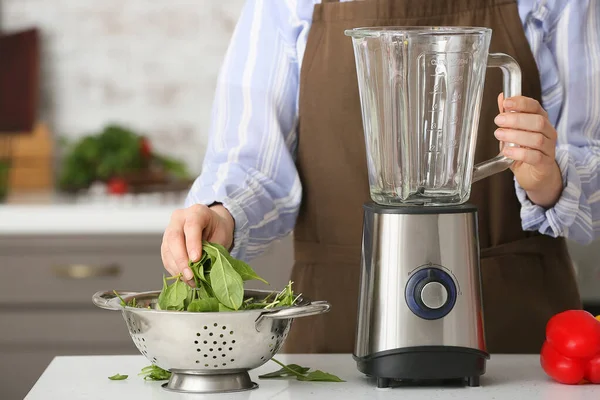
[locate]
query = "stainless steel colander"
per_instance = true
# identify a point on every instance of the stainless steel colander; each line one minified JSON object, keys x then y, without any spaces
{"x":207,"y":352}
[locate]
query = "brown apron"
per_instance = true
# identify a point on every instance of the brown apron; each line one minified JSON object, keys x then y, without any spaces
{"x":526,"y":277}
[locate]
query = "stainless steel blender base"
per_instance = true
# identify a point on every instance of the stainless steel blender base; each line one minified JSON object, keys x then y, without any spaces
{"x":221,"y":383}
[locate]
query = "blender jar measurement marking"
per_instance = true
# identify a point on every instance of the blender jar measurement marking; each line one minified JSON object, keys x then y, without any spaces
{"x":446,"y":70}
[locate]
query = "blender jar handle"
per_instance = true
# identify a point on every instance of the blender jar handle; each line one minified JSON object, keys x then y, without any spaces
{"x":511,"y":77}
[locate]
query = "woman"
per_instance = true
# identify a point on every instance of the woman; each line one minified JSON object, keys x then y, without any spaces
{"x":287,"y":152}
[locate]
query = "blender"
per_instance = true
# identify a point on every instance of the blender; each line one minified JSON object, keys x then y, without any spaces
{"x":420,"y":308}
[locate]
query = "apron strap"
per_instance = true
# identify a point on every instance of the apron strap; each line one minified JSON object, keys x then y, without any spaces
{"x":391,"y":9}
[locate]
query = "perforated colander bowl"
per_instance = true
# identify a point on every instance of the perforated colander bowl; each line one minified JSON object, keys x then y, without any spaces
{"x":207,"y":351}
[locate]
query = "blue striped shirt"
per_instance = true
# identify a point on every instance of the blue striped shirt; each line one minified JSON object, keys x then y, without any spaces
{"x":249,"y":164}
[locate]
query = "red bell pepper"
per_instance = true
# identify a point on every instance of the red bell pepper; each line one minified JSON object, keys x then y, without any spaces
{"x":571,"y":352}
{"x":117,"y":186}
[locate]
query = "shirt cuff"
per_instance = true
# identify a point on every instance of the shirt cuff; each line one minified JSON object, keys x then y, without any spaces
{"x":557,"y":220}
{"x":241,"y":230}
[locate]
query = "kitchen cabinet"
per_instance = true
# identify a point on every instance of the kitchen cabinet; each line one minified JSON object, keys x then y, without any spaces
{"x":46,"y":286}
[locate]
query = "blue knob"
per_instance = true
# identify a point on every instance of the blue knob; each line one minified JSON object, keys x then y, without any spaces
{"x":430,"y":293}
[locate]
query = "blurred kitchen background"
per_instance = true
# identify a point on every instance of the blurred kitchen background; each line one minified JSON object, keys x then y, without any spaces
{"x":104,"y":115}
{"x":126,"y":83}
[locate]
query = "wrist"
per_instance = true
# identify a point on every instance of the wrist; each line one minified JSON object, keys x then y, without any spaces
{"x":548,"y":195}
{"x":227,"y":221}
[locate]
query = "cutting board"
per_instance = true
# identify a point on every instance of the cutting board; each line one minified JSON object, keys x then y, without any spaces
{"x":32,"y":160}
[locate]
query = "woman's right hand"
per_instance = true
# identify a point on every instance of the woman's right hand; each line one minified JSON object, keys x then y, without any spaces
{"x":182,"y":240}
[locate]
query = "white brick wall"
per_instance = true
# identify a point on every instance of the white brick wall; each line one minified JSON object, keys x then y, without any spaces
{"x":149,"y":64}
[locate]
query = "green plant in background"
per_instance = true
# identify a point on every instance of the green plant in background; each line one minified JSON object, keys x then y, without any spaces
{"x":4,"y":177}
{"x":114,"y":152}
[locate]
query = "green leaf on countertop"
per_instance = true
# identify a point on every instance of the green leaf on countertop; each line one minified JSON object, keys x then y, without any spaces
{"x":319,"y":376}
{"x":301,"y":373}
{"x":118,"y":377}
{"x":154,"y":373}
{"x":286,"y":372}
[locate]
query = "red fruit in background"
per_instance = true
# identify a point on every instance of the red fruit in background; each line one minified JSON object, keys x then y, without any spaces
{"x":145,"y":148}
{"x":560,"y":368}
{"x":117,"y":186}
{"x":592,"y":370}
{"x":574,"y":333}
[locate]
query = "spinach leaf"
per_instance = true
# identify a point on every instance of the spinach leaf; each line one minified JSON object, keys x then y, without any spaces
{"x":191,"y":295}
{"x":286,"y":371}
{"x":319,"y":376}
{"x":211,"y":252}
{"x":198,"y":269}
{"x":227,"y":284}
{"x":154,"y":373}
{"x":132,"y":302}
{"x":245,"y":270}
{"x":204,"y":305}
{"x":120,"y":298}
{"x":118,"y":377}
{"x":301,"y":373}
{"x":175,"y":295}
{"x":204,"y":291}
{"x":223,"y":308}
{"x":161,"y":301}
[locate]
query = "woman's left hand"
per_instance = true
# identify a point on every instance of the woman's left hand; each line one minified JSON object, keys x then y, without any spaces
{"x":523,"y":121}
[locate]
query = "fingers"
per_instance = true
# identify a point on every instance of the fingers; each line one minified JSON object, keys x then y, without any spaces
{"x":167,"y":259}
{"x":523,"y":104}
{"x":528,"y":156}
{"x":182,"y":240}
{"x":533,"y":140}
{"x":196,"y":221}
{"x":175,"y":246}
{"x":501,"y":102}
{"x":526,"y":122}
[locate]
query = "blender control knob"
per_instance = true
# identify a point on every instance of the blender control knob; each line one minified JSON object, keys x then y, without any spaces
{"x":431,"y":293}
{"x":434,"y":295}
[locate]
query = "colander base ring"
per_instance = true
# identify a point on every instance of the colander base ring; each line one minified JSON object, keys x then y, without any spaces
{"x":212,"y":383}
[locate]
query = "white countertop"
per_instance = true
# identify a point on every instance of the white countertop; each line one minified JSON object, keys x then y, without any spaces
{"x":54,"y":215}
{"x":510,"y":377}
{"x":83,"y":219}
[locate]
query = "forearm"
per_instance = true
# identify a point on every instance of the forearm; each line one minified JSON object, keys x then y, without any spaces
{"x":259,"y":209}
{"x":577,"y":212}
{"x":249,"y":167}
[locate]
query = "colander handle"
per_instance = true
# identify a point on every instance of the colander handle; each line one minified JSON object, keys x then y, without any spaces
{"x":108,"y":300}
{"x":314,"y":308}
